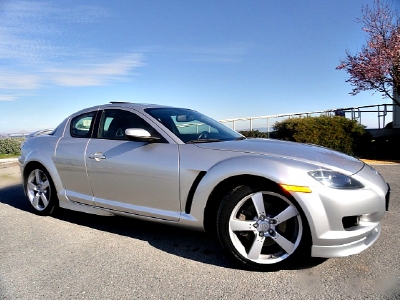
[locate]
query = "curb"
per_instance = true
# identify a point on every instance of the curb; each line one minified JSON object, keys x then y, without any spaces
{"x":9,"y":168}
{"x":380,"y":162}
{"x":7,"y":161}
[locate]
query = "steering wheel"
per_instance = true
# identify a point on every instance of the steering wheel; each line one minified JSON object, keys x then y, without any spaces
{"x":204,"y":135}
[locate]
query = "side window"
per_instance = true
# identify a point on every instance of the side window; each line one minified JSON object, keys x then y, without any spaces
{"x":81,"y":125}
{"x":114,"y":122}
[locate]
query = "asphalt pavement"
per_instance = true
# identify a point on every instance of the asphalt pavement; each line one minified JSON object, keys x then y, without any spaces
{"x":78,"y":256}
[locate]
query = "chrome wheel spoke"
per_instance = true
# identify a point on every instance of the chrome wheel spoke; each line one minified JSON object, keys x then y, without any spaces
{"x":37,"y":176}
{"x":45,"y":184}
{"x":44,"y":200}
{"x":35,"y":201}
{"x":238,"y":225}
{"x":286,"y":245}
{"x":258,"y":201}
{"x":256,"y":248}
{"x":287,"y":214}
{"x":31,"y":186}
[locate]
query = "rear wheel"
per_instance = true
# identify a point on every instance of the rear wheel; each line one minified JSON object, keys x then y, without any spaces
{"x":40,"y":191}
{"x":263,"y":230}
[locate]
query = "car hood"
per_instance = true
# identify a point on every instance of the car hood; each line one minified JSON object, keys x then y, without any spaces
{"x":297,"y":151}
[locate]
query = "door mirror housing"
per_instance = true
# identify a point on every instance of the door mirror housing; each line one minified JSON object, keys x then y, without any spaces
{"x":140,"y":135}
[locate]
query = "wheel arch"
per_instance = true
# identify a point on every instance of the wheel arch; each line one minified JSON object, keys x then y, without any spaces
{"x":263,"y":171}
{"x":29,"y":167}
{"x":224,"y":187}
{"x":49,"y":168}
{"x":43,"y":198}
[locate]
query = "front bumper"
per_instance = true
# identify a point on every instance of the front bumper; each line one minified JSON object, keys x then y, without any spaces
{"x":346,"y":222}
{"x":349,"y":248}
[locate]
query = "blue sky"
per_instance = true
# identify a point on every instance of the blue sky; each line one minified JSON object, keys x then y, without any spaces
{"x":225,"y":58}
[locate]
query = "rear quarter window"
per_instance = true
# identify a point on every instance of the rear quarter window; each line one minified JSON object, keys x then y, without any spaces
{"x":81,"y":126}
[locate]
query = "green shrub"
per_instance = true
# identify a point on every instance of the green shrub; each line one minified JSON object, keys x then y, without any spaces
{"x":10,"y":146}
{"x":254,"y":134}
{"x":337,"y":133}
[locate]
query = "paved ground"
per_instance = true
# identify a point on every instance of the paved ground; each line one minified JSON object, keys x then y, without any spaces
{"x":78,"y":256}
{"x":9,"y":172}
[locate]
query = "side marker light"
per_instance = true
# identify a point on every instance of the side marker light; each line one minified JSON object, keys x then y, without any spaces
{"x":296,"y":188}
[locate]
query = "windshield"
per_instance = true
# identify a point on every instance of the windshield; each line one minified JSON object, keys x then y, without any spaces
{"x":193,"y":127}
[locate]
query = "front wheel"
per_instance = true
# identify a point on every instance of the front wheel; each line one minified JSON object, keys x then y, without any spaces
{"x":40,"y":191}
{"x":260,"y":229}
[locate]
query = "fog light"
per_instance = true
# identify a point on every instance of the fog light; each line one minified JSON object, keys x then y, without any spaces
{"x":351,"y":221}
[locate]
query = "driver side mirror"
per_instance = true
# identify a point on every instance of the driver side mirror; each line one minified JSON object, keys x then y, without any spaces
{"x":140,"y":135}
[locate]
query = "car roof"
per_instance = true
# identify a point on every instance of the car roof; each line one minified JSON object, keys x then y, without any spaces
{"x":114,"y":104}
{"x":134,"y":105}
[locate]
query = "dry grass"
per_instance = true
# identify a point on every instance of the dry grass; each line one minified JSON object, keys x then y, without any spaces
{"x":381,"y":162}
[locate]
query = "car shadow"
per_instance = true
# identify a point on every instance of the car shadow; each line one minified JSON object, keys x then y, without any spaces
{"x":193,"y":245}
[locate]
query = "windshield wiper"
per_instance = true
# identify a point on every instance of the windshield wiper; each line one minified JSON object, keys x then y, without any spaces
{"x":203,"y":141}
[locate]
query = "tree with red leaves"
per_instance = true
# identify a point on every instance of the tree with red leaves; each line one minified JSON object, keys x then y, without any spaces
{"x":377,"y":66}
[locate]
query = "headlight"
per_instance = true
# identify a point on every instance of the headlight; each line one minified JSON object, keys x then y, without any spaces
{"x":335,"y":180}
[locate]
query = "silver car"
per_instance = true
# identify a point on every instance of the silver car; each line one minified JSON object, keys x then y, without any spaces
{"x":269,"y":202}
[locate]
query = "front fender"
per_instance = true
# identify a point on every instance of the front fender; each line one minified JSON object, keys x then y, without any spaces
{"x":279,"y":170}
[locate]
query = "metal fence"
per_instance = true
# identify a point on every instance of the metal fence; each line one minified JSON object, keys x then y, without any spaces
{"x":379,"y":113}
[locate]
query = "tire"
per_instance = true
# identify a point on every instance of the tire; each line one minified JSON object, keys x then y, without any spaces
{"x":262,"y":230}
{"x":40,"y":191}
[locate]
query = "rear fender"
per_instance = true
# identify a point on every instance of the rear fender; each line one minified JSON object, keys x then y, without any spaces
{"x":44,"y":158}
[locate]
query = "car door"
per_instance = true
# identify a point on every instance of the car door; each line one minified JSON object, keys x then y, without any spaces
{"x":70,"y":158}
{"x":134,"y":177}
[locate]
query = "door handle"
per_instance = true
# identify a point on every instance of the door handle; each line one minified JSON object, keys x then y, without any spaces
{"x":97,"y":156}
